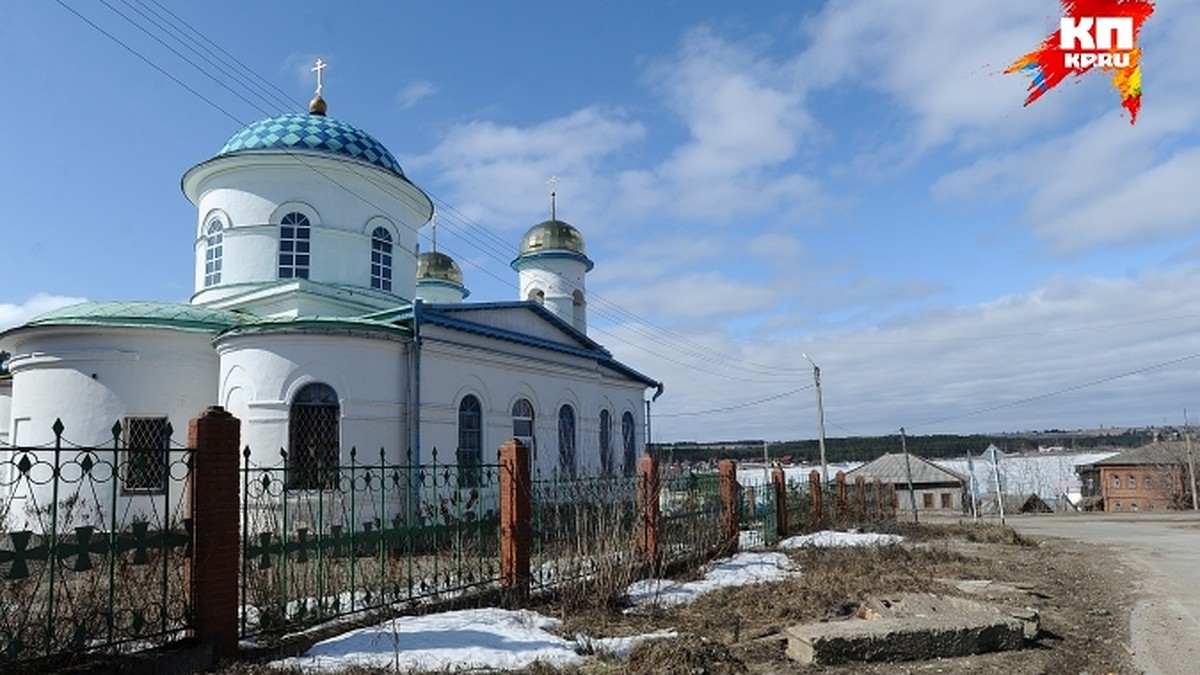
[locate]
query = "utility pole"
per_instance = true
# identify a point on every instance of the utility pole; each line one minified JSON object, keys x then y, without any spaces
{"x":820,"y":420}
{"x":912,"y":495}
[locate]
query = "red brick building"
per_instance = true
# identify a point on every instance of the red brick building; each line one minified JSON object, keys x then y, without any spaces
{"x":1149,"y":478}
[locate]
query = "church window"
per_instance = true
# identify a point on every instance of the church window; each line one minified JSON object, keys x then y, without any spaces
{"x":628,"y":440}
{"x":470,"y":441}
{"x":577,"y":307}
{"x":537,"y":295}
{"x":294,"y":239}
{"x":381,"y":259}
{"x":146,"y":441}
{"x":606,"y":453}
{"x":313,"y":439}
{"x":214,"y":247}
{"x":522,"y":421}
{"x":566,"y":441}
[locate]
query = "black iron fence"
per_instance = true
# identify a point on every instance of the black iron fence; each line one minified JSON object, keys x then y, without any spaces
{"x":92,"y":546}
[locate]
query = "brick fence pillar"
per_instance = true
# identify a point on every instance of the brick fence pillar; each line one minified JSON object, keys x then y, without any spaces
{"x":878,"y":499}
{"x":213,"y":567}
{"x":814,"y":489}
{"x":516,"y":512}
{"x":893,"y":500}
{"x":649,"y":513}
{"x":779,"y":484}
{"x":730,"y":504}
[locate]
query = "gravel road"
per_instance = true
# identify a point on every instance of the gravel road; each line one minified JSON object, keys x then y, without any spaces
{"x":1165,"y":548}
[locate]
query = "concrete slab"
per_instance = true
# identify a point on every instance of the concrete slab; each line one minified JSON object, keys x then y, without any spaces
{"x":909,"y":628}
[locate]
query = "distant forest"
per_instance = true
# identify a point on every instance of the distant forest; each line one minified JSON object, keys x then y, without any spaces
{"x":863,"y":449}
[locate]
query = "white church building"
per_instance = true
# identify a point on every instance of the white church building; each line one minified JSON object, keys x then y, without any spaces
{"x":316,"y":322}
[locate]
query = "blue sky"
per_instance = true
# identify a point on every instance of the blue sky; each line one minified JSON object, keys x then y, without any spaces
{"x":853,"y":180}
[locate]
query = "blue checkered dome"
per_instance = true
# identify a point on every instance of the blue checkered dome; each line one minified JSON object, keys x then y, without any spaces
{"x":297,"y":131}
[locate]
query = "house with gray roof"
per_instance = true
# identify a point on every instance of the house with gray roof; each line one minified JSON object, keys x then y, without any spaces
{"x":933,"y":488}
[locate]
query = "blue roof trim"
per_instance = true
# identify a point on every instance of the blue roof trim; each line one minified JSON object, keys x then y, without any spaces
{"x":435,"y":315}
{"x":534,"y":307}
{"x":522,"y":260}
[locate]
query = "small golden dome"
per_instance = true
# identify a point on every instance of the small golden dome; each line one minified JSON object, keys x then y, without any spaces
{"x":317,"y":105}
{"x":553,"y":235}
{"x":433,"y":265}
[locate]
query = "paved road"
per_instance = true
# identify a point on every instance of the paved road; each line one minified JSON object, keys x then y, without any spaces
{"x":1165,"y":623}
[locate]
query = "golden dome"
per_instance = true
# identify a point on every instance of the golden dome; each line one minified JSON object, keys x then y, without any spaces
{"x":553,"y":235}
{"x":433,"y":265}
{"x":317,"y":106}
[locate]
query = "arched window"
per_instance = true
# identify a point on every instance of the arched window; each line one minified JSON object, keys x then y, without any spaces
{"x":629,"y":441}
{"x":381,"y":259}
{"x":537,"y":295}
{"x":522,"y":421}
{"x":606,"y":453}
{"x":577,"y":308}
{"x":294,"y":238}
{"x":214,"y":246}
{"x":470,"y":441}
{"x":313,"y":442}
{"x":566,"y":440}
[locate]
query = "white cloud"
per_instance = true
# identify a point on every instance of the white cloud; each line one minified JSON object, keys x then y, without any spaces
{"x":413,"y":92}
{"x":15,"y":315}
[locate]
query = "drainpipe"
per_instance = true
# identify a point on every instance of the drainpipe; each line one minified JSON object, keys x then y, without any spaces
{"x":657,"y":393}
{"x":415,"y":417}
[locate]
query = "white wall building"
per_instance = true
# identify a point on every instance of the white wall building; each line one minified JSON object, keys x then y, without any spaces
{"x":315,"y":321}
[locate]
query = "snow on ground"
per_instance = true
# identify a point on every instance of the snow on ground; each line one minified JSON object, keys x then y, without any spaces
{"x":831,"y":538}
{"x":497,"y":639}
{"x":740,"y":570}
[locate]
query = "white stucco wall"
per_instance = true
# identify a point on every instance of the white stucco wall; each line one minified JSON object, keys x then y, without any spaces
{"x":261,"y":373}
{"x":558,"y":278}
{"x":455,"y":364}
{"x":92,"y":377}
{"x":343,"y":201}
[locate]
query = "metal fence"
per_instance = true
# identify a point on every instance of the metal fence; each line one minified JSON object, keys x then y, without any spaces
{"x":93,"y":546}
{"x":381,"y":535}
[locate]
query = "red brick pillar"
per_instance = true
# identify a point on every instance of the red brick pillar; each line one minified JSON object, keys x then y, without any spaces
{"x":843,"y":506}
{"x":815,"y":488}
{"x":893,"y":499}
{"x":779,"y":484}
{"x":516,"y":511}
{"x":878,"y":499}
{"x":860,"y":487}
{"x":649,"y":515}
{"x":730,"y":513}
{"x":213,"y":568}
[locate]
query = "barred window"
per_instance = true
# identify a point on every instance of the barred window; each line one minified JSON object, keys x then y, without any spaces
{"x":294,"y":238}
{"x":522,"y":420}
{"x":146,"y":441}
{"x":566,"y":440}
{"x":629,"y":440}
{"x":470,"y":441}
{"x":381,"y":259}
{"x":606,"y":453}
{"x":214,"y":246}
{"x":313,"y":442}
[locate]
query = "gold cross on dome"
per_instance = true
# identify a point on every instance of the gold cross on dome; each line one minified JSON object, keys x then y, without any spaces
{"x":320,"y":65}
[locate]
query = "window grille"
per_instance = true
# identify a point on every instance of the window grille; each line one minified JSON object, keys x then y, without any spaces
{"x":566,"y":440}
{"x":606,"y":454}
{"x":146,"y":442}
{"x":381,"y":259}
{"x":470,"y":441}
{"x":214,"y":247}
{"x":630,"y":443}
{"x":294,"y":251}
{"x":522,"y":420}
{"x":313,"y":440}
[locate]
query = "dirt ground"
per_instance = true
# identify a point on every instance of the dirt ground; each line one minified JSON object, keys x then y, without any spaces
{"x":1083,"y":593}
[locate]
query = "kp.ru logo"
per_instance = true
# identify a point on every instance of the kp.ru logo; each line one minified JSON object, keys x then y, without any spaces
{"x":1092,"y":34}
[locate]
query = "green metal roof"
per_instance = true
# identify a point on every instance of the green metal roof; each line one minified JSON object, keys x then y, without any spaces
{"x":140,"y":313}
